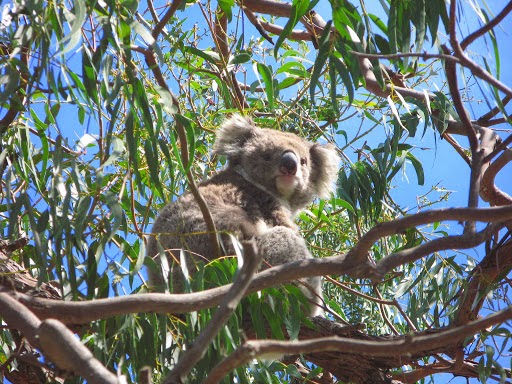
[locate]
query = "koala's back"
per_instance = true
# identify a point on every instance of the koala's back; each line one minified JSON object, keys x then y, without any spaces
{"x":237,"y":207}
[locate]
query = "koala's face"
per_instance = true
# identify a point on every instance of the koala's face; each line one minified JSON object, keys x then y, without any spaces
{"x":278,"y":161}
{"x":285,"y":165}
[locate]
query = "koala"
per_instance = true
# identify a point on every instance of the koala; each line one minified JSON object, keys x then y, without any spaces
{"x":269,"y":178}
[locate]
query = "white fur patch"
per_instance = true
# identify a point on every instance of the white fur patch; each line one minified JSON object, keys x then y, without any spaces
{"x":261,"y":227}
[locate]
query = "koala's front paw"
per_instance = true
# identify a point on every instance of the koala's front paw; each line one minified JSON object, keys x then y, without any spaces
{"x":281,"y":245}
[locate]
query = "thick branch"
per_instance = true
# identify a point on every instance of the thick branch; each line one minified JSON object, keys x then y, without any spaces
{"x":465,"y":241}
{"x":61,"y":346}
{"x":57,"y":342}
{"x":489,"y":191}
{"x":406,"y":346}
{"x":396,"y":226}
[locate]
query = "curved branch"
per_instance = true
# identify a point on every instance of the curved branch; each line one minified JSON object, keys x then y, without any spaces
{"x":465,"y":241}
{"x":489,"y":191}
{"x":163,"y":22}
{"x":405,"y":346}
{"x":495,"y":214}
{"x":487,"y":27}
{"x":352,"y":264}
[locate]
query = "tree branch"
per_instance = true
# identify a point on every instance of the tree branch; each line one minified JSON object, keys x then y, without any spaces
{"x":405,"y":346}
{"x":57,"y":342}
{"x":163,"y":22}
{"x":487,"y":27}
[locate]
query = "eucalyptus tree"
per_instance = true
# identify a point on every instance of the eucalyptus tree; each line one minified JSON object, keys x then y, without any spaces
{"x":109,"y":110}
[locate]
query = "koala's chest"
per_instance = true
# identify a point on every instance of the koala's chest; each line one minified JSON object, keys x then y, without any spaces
{"x":256,"y":206}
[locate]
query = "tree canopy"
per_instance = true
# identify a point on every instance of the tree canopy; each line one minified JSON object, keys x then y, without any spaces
{"x":109,"y":110}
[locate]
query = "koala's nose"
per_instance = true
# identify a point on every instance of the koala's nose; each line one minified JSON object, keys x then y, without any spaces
{"x":289,"y":163}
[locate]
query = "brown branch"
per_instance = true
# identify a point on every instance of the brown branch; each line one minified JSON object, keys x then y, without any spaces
{"x":476,"y":154}
{"x":487,"y":27}
{"x":16,"y":315}
{"x":257,"y":24}
{"x":399,"y":225}
{"x":163,"y":22}
{"x":352,"y":264}
{"x":424,"y":56}
{"x":500,"y":147}
{"x":482,"y":277}
{"x":465,"y":241}
{"x":193,"y":354}
{"x":220,"y":34}
{"x":451,"y":75}
{"x":57,"y":342}
{"x":475,"y":69}
{"x":489,"y":191}
{"x":493,"y":112}
{"x":450,"y":140}
{"x":294,"y":34}
{"x":61,"y":346}
{"x":406,"y":346}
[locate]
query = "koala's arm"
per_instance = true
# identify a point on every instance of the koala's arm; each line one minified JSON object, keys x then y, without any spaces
{"x":282,"y":245}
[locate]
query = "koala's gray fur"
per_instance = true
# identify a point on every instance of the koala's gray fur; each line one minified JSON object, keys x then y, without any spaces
{"x":270,"y":176}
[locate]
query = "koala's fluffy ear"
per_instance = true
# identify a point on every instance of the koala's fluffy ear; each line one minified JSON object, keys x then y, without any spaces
{"x":232,"y":136}
{"x":325,"y":168}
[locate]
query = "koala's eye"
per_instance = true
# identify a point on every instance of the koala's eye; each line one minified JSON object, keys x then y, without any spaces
{"x":266,"y":156}
{"x":303,"y":161}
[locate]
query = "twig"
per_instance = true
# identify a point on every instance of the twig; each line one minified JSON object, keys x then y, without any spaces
{"x":237,"y":291}
{"x":201,"y":202}
{"x":457,"y":147}
{"x":493,"y":112}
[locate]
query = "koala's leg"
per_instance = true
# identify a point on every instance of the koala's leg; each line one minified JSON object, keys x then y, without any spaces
{"x":282,"y":245}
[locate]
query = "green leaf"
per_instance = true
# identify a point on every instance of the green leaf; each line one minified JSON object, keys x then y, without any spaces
{"x":324,"y":50}
{"x":240,"y":58}
{"x":418,"y":167}
{"x":299,"y":9}
{"x":210,"y":56}
{"x":342,"y":69}
{"x":226,"y":6}
{"x":76,"y":21}
{"x":266,"y":75}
